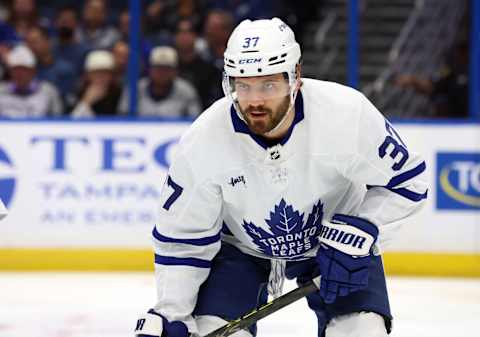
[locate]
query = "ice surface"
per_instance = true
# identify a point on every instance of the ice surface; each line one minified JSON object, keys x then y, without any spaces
{"x":107,"y":305}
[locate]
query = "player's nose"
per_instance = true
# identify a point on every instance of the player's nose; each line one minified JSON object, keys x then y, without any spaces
{"x":255,"y":107}
{"x":256,"y":98}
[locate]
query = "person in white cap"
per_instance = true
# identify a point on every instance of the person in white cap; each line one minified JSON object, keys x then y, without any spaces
{"x":163,"y":93}
{"x":100,"y":93}
{"x":24,"y":95}
{"x":284,"y":177}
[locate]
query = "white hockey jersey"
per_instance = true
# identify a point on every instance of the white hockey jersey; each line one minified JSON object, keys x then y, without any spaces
{"x":339,"y":156}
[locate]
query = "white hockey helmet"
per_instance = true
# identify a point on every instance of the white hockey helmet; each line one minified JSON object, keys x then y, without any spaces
{"x":261,"y":47}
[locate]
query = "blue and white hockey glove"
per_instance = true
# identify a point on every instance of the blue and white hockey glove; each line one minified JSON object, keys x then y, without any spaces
{"x":344,"y":255}
{"x":152,"y":324}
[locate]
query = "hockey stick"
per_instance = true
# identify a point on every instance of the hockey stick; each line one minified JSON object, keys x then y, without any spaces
{"x":267,"y":309}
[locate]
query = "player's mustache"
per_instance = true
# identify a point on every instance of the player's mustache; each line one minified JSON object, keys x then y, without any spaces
{"x":258,"y":109}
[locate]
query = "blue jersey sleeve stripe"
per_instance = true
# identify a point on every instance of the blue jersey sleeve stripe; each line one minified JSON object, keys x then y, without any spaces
{"x":413,"y":196}
{"x":182,"y":261}
{"x":397,"y":180}
{"x":208,"y":240}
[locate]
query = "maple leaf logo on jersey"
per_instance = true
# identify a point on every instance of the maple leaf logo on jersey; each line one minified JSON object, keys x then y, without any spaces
{"x":289,"y":237}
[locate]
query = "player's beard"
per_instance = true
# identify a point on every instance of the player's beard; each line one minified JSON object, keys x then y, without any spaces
{"x":271,"y":120}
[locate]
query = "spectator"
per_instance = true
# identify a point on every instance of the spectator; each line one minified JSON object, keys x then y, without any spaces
{"x":163,"y":93}
{"x":24,"y":96}
{"x":187,"y":9}
{"x":23,"y":16}
{"x":162,"y":17}
{"x":4,"y":11}
{"x":160,"y":20}
{"x":124,"y":24}
{"x":192,"y":10}
{"x":447,"y":90}
{"x":57,"y":71}
{"x":218,"y":26}
{"x":120,"y":53}
{"x":99,"y":93}
{"x":124,"y":28}
{"x":204,"y":76}
{"x":247,"y":9}
{"x":67,"y":45}
{"x":95,"y":32}
{"x":8,"y":37}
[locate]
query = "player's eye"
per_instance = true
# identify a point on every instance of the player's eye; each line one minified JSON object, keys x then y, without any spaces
{"x":269,"y":86}
{"x":241,"y":87}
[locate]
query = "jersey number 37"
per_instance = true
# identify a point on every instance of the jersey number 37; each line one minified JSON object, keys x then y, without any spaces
{"x":395,"y":147}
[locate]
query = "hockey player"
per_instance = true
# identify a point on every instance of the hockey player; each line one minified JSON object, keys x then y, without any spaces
{"x":284,"y":177}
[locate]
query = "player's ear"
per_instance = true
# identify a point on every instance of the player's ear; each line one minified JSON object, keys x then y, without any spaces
{"x":298,"y":71}
{"x":298,"y":75}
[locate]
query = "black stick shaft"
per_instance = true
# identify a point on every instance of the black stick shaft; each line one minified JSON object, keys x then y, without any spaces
{"x":265,"y":310}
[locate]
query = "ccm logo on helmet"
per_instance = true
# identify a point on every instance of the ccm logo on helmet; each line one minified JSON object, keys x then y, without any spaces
{"x":249,"y":61}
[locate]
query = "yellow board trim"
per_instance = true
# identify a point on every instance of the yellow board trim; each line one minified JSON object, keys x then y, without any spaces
{"x":432,"y":264}
{"x":49,"y":259}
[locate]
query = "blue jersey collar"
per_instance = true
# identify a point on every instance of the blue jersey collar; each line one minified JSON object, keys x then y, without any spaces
{"x":241,"y":127}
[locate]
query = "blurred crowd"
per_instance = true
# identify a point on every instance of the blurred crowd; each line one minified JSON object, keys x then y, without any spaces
{"x":70,"y":58}
{"x":447,"y":89}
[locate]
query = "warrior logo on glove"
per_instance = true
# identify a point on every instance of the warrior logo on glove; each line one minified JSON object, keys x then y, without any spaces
{"x":349,"y":239}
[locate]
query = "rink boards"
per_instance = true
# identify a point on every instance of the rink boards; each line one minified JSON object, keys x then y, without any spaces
{"x":82,"y":195}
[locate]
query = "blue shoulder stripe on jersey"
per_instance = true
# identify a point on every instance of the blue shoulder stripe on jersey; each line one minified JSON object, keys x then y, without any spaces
{"x":241,"y":127}
{"x":401,"y":178}
{"x":208,"y":240}
{"x":182,"y":261}
{"x":413,"y":196}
